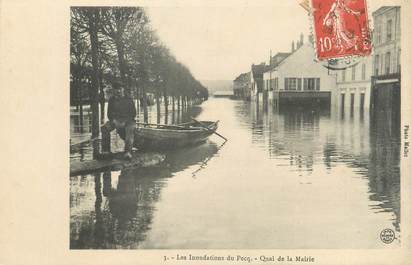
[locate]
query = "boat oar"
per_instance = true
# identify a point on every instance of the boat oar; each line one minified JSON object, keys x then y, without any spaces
{"x":205,"y":126}
{"x":161,"y":125}
{"x":84,"y":141}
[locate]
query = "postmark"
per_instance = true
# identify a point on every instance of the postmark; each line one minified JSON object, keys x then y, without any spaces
{"x":340,"y":28}
{"x":387,"y":235}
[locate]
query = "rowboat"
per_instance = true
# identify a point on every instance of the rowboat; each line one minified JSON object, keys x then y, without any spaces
{"x":165,"y":137}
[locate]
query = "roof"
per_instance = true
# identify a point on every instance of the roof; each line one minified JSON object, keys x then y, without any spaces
{"x":258,"y":69}
{"x":241,"y":76}
{"x":276,"y":60}
{"x":303,"y":47}
{"x":282,"y":54}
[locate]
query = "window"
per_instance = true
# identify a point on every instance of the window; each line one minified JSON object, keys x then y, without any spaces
{"x":290,"y":83}
{"x":353,"y":73}
{"x":343,"y":76}
{"x":362,"y":101}
{"x":299,"y":83}
{"x":399,"y":61}
{"x":376,"y":64}
{"x":311,"y":84}
{"x":389,"y":29}
{"x":378,"y":34}
{"x":363,"y":68}
{"x":387,"y":62}
{"x":293,"y":84}
{"x":352,"y":105}
{"x":352,"y":101}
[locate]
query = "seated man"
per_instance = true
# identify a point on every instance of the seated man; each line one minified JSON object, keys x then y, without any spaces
{"x":121,"y":113}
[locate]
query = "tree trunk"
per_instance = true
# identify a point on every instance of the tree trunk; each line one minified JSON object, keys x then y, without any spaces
{"x":157,"y":95}
{"x":144,"y":105}
{"x":102,"y":97}
{"x":79,"y":105}
{"x":95,"y":127}
{"x":81,"y":117}
{"x":178,"y":109}
{"x":137,"y":104}
{"x":121,"y":62}
{"x":184,"y":103}
{"x":165,"y":107}
{"x":173,"y":109}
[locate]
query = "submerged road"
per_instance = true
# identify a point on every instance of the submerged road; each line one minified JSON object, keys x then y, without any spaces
{"x":290,"y":179}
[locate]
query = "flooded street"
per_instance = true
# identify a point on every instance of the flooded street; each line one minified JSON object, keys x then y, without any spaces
{"x":289,"y":179}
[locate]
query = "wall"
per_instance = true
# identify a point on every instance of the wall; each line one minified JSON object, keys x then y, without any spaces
{"x":301,"y":64}
{"x":382,"y":44}
{"x":356,"y":86}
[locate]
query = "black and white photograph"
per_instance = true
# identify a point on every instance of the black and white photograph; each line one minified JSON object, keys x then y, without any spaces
{"x":171,"y":146}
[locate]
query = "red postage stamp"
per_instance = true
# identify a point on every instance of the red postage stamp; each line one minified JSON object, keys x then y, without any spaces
{"x":341,"y":28}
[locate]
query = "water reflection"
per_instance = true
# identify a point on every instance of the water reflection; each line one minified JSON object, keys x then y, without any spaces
{"x":125,"y":202}
{"x":383,"y":169}
{"x":305,"y":138}
{"x":283,"y":178}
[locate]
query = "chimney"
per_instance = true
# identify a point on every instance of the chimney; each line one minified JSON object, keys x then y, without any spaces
{"x":311,"y":38}
{"x":292,"y":47}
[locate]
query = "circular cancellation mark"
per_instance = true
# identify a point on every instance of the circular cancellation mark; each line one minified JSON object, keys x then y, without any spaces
{"x":387,"y":235}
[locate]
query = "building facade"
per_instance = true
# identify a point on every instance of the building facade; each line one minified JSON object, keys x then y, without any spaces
{"x":387,"y":41}
{"x":256,"y":81}
{"x":268,"y":80}
{"x":353,"y":90}
{"x":300,"y":79}
{"x":242,"y":86}
{"x":386,"y":78}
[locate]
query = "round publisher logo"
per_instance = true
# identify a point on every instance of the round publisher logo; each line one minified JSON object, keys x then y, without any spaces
{"x":387,"y":235}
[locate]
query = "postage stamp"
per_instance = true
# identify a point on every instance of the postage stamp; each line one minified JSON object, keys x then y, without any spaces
{"x":341,"y":28}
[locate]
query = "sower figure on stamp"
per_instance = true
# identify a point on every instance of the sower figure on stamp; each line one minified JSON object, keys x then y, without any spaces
{"x":121,"y":115}
{"x":335,"y":20}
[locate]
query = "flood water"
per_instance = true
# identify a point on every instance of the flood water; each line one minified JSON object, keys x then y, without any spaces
{"x":285,"y":179}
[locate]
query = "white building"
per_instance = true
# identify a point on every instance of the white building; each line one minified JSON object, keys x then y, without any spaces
{"x":301,"y":79}
{"x":354,"y":86}
{"x":386,"y":79}
{"x":267,"y":76}
{"x":387,"y":40}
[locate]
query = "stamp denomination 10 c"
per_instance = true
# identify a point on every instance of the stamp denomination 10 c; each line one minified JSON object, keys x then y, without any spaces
{"x":341,"y":28}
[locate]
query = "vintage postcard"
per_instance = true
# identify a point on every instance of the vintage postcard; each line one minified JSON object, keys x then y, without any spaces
{"x":194,"y":132}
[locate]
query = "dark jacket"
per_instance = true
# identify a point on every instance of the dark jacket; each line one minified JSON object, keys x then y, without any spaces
{"x":121,"y":109}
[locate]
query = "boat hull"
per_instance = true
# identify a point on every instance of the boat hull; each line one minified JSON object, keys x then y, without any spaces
{"x":160,"y":138}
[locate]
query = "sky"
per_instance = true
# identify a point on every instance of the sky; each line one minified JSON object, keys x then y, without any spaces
{"x":221,"y":42}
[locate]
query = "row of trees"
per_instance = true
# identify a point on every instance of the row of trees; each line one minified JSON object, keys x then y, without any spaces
{"x":117,"y":44}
